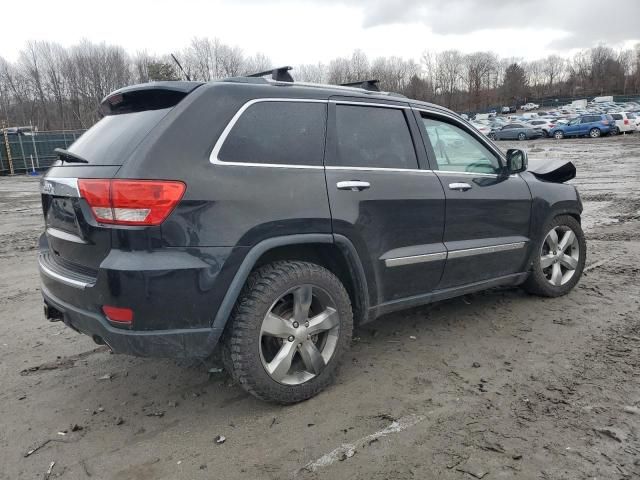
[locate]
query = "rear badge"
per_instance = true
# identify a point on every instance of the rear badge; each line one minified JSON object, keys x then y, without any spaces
{"x":47,"y":187}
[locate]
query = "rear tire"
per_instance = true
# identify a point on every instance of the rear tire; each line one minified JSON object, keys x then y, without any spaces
{"x":595,"y":133}
{"x":558,"y":259}
{"x":265,"y":351}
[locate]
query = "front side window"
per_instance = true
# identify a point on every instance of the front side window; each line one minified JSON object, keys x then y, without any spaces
{"x":456,"y":150}
{"x":278,"y":132}
{"x":373,"y":137}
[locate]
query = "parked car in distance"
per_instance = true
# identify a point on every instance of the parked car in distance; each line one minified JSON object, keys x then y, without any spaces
{"x":542,"y":124}
{"x":530,"y":106}
{"x":625,"y":122}
{"x":592,"y":125}
{"x":482,"y":128}
{"x":269,"y":241}
{"x":516,"y":131}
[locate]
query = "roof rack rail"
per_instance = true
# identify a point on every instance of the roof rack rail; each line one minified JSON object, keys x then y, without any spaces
{"x":369,"y":85}
{"x":279,"y":74}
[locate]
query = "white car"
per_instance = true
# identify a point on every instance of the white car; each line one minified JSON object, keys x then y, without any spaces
{"x":482,"y":128}
{"x":543,"y":124}
{"x":530,"y":106}
{"x":626,"y":122}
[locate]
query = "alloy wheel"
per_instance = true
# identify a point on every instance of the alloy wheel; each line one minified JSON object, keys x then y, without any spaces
{"x":299,"y":335}
{"x":560,"y":255}
{"x":594,"y":133}
{"x":558,"y":135}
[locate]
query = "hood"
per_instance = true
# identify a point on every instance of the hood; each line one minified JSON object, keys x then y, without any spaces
{"x":558,"y":171}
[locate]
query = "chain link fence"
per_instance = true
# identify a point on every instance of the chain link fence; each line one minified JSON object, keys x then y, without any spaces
{"x":23,"y":150}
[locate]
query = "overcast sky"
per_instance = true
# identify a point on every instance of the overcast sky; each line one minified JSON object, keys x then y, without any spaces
{"x":309,"y":31}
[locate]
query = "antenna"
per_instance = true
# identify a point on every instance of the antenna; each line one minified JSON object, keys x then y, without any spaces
{"x":280,"y":74}
{"x":180,"y":67}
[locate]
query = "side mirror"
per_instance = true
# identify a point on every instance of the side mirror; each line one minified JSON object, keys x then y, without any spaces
{"x":516,"y":161}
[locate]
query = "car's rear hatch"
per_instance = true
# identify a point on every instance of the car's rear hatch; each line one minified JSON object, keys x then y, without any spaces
{"x":75,"y":242}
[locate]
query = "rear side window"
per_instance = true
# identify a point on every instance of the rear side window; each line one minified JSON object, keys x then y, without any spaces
{"x":278,"y":132}
{"x":616,"y":116}
{"x":112,"y":139}
{"x":374,"y":137}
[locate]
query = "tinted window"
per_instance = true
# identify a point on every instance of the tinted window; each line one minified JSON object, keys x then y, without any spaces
{"x":457,"y":150}
{"x":616,"y":116}
{"x":290,"y":133}
{"x":112,"y":139}
{"x":373,"y":137}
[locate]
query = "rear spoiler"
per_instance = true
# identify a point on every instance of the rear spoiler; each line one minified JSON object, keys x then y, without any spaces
{"x":146,"y":96}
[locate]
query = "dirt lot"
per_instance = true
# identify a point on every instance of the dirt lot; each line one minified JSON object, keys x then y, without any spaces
{"x":494,"y":385}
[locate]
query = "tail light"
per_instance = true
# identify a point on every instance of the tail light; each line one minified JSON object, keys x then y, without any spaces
{"x":626,"y":122}
{"x":551,"y":125}
{"x":605,"y":122}
{"x":131,"y":202}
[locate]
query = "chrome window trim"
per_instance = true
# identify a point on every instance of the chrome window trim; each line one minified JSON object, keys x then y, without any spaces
{"x":468,"y":252}
{"x":413,"y":259}
{"x":61,"y":278}
{"x":370,"y":104}
{"x":60,"y":186}
{"x":213,"y":157}
{"x":452,"y":254}
{"x":380,"y":169}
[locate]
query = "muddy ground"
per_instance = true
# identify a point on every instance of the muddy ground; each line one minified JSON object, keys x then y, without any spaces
{"x":494,"y":385}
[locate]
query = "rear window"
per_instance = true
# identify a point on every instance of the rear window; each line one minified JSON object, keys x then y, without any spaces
{"x":277,"y":132}
{"x":112,"y":139}
{"x":631,"y":115}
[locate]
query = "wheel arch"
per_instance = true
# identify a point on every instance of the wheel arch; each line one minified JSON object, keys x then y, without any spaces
{"x":337,"y":254}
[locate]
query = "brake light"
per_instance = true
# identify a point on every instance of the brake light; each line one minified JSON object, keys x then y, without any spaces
{"x":131,"y":202}
{"x":626,"y":122}
{"x":605,"y":122}
{"x":118,"y":314}
{"x":551,"y":125}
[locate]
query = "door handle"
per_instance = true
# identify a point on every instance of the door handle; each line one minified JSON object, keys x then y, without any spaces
{"x":461,"y":187}
{"x":353,"y":185}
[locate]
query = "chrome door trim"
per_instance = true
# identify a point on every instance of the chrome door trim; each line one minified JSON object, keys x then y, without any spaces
{"x":213,"y":157}
{"x":452,"y":254}
{"x":413,"y":259}
{"x":468,"y":252}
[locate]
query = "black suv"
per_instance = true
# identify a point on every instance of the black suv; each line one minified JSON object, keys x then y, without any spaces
{"x":270,"y":217}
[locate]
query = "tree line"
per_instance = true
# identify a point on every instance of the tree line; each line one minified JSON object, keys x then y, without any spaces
{"x":53,"y":87}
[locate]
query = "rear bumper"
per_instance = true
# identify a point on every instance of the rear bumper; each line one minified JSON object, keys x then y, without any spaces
{"x":193,"y":342}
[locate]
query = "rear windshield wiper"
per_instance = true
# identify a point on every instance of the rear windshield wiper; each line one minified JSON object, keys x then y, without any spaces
{"x":67,"y":156}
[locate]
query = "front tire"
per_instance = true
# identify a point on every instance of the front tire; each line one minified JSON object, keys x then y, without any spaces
{"x":288,"y":331}
{"x":559,"y":135}
{"x":522,"y":136}
{"x":558,"y":259}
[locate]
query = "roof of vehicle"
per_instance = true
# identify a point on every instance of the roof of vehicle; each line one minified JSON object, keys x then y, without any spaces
{"x":313,"y":90}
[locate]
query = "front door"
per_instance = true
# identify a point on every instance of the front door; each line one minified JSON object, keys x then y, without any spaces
{"x":390,"y":208}
{"x":487,"y":213}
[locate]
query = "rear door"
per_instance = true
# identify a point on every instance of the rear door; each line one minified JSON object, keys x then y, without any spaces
{"x":380,"y":197}
{"x":487,"y":213}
